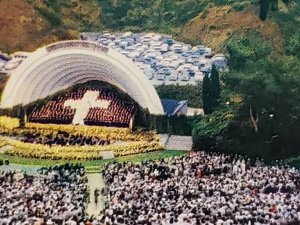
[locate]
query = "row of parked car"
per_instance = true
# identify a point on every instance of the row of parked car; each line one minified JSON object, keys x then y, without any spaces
{"x":163,"y":60}
{"x":9,"y":63}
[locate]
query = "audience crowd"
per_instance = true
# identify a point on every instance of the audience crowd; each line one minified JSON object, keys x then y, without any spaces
{"x":118,"y":114}
{"x":64,"y":139}
{"x":4,"y":162}
{"x":57,"y":195}
{"x":202,"y":188}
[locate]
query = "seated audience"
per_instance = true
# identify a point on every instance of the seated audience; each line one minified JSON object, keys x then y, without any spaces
{"x":57,"y":195}
{"x":200,"y":188}
{"x":203,"y":188}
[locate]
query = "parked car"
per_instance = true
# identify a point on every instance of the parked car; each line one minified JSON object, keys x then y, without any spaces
{"x":160,"y":77}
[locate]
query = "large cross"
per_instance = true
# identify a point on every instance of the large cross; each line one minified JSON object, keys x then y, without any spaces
{"x":82,"y":106}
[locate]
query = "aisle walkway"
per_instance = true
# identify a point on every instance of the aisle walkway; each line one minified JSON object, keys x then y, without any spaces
{"x":95,"y":180}
{"x":29,"y":169}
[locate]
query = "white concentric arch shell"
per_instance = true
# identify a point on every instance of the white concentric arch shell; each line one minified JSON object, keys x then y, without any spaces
{"x":63,"y":64}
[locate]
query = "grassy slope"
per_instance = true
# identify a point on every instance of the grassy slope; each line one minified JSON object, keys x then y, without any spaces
{"x":28,"y":24}
{"x":95,"y":164}
{"x":218,"y":24}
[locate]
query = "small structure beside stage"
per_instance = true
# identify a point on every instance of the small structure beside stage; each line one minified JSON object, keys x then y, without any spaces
{"x":174,"y":107}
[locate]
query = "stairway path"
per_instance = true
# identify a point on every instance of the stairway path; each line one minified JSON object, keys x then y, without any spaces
{"x":95,"y":180}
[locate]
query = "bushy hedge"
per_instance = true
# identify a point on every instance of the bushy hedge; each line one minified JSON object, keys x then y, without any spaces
{"x":177,"y":125}
{"x":50,"y":15}
{"x":9,"y":123}
{"x":186,"y":92}
{"x":107,"y":133}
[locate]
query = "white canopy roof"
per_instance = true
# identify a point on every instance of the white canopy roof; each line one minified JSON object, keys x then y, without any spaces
{"x":64,"y":64}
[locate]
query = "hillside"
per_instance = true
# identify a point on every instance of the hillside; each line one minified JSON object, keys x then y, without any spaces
{"x":28,"y":24}
{"x":218,"y":24}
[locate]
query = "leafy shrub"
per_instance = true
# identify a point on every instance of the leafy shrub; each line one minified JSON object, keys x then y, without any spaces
{"x":294,"y":44}
{"x":9,"y":123}
{"x":50,"y":15}
{"x":78,"y":152}
{"x":107,"y":133}
{"x":187,"y":92}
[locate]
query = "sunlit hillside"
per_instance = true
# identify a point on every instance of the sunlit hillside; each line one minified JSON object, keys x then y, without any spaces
{"x":28,"y":24}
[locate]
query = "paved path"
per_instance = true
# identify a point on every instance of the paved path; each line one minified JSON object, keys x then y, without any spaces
{"x":163,"y":139}
{"x":31,"y":170}
{"x":176,"y":142}
{"x":95,"y":180}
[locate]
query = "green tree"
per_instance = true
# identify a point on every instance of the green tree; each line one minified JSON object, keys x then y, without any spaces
{"x":240,"y":52}
{"x":50,"y":15}
{"x":215,"y":88}
{"x":264,"y":8}
{"x":287,"y":2}
{"x":294,"y":45}
{"x":182,"y":92}
{"x":274,"y":5}
{"x":206,"y":95}
{"x":271,"y":90}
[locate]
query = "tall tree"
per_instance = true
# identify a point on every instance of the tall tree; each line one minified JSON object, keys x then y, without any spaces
{"x":264,"y":8}
{"x":293,"y":46}
{"x":274,"y":5}
{"x":215,"y":86}
{"x":271,"y":96}
{"x":287,"y":2}
{"x":206,"y":95}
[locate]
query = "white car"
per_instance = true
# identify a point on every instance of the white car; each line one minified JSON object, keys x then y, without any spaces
{"x":185,"y":78}
{"x":160,"y":77}
{"x":173,"y":78}
{"x":149,"y":75}
{"x":199,"y":76}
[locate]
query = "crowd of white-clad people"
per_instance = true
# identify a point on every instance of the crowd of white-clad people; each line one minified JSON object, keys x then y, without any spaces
{"x":202,"y":188}
{"x":57,"y":195}
{"x":199,"y":188}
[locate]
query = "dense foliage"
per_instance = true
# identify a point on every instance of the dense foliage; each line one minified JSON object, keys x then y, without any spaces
{"x":265,"y":4}
{"x":149,"y":15}
{"x":267,"y":120}
{"x":211,"y":90}
{"x":9,"y":123}
{"x":188,"y":92}
{"x":128,"y":142}
{"x":78,"y":152}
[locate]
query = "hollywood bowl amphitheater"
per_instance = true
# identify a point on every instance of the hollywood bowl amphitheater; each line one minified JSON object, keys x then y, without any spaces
{"x":81,"y":101}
